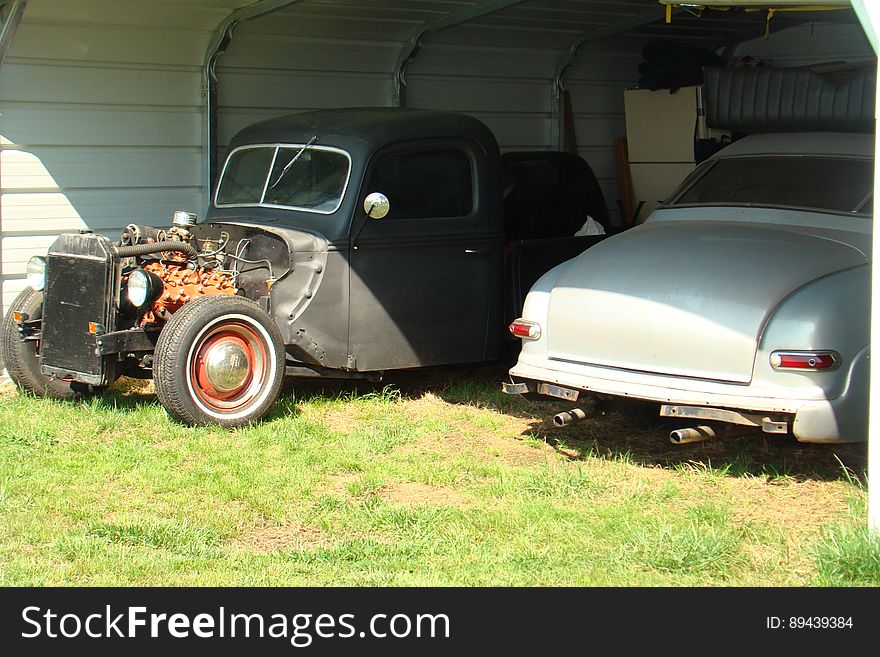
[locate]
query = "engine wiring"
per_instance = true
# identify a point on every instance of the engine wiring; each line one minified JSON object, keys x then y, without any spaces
{"x":238,"y":257}
{"x":224,"y":240}
{"x":217,"y":260}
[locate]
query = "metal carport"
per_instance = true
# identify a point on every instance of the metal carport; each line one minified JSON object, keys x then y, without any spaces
{"x":115,"y":111}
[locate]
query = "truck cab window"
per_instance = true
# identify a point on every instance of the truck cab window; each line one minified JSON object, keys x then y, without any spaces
{"x":315,"y":181}
{"x":245,"y":176}
{"x":425,"y":184}
{"x":302,"y":177}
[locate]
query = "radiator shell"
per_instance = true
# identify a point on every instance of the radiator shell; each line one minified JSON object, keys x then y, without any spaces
{"x":82,"y":286}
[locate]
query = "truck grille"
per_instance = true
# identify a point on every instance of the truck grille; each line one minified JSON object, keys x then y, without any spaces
{"x":81,"y":281}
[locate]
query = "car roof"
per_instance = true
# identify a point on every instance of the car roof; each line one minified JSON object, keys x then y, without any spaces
{"x":801,"y":143}
{"x":371,"y":127}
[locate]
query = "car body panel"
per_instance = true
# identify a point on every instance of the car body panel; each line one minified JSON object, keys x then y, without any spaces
{"x":688,"y":308}
{"x":704,"y":289}
{"x":369,"y":295}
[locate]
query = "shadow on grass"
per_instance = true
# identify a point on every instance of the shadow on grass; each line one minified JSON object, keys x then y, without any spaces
{"x":613,"y":436}
{"x":121,"y":400}
{"x":745,"y":454}
{"x":610,"y":436}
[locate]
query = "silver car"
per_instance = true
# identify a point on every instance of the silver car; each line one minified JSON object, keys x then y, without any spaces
{"x":743,"y":299}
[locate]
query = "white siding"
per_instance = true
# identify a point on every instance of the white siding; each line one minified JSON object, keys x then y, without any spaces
{"x":100,"y":120}
{"x":510,"y":90}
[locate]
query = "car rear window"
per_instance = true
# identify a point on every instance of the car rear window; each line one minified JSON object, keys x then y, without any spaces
{"x":820,"y":183}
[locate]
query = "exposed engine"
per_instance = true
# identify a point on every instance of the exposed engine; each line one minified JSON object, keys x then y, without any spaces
{"x":182,"y":284}
{"x":164,"y":269}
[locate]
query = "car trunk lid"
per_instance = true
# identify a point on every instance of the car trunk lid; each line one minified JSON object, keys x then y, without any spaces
{"x":686,"y":298}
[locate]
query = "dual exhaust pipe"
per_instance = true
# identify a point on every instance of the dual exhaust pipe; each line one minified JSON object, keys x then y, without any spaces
{"x":677,"y":437}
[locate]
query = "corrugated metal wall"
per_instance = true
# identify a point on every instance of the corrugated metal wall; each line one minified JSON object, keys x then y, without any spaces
{"x":100,"y":122}
{"x":101,"y":100}
{"x":305,"y":57}
{"x":315,"y":55}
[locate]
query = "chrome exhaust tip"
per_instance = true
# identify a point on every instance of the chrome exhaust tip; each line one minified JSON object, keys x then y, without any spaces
{"x":692,"y":435}
{"x":569,"y":417}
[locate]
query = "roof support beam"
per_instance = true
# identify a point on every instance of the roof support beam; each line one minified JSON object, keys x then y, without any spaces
{"x":414,"y":43}
{"x":14,"y":12}
{"x":574,"y":50}
{"x":601,"y":33}
{"x":218,"y":45}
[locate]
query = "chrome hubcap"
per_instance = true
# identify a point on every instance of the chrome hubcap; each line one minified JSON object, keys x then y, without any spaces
{"x":227,"y":366}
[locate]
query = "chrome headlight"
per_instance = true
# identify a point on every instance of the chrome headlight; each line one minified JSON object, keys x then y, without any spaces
{"x":36,"y":273}
{"x":143,"y":288}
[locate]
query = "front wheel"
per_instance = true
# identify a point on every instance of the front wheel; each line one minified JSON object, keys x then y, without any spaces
{"x":219,"y":360}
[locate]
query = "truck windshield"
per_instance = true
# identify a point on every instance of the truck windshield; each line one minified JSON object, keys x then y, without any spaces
{"x":816,"y":183}
{"x":314,"y":182}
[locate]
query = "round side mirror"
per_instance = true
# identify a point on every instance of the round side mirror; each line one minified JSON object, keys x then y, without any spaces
{"x":376,"y":205}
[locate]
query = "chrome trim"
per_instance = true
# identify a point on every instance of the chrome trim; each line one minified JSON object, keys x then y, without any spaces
{"x":531,"y":324}
{"x":727,"y":415}
{"x":808,"y":352}
{"x":559,"y":392}
{"x":227,"y":366}
{"x":514,"y":388}
{"x":278,"y":147}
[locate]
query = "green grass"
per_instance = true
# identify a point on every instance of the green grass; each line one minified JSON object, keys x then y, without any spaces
{"x":445,"y":484}
{"x":848,"y":553}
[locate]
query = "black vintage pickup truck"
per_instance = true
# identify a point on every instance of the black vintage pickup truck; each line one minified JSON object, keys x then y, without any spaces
{"x":339,"y":243}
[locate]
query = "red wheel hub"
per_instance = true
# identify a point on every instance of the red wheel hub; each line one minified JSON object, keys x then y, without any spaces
{"x":228,"y":367}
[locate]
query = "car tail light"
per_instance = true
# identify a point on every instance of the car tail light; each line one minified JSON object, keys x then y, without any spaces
{"x":804,"y":360}
{"x":523,"y":328}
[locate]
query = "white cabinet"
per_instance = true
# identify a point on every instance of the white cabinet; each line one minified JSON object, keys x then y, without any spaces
{"x":661,"y":128}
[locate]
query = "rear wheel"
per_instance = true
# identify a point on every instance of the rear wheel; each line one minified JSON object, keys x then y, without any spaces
{"x":219,"y":360}
{"x":22,"y":356}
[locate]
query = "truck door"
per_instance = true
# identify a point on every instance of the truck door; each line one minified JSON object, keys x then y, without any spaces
{"x":425,"y":279}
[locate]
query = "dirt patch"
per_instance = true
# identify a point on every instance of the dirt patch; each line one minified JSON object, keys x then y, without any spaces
{"x":414,"y":494}
{"x":484,"y":447}
{"x":502,"y":439}
{"x":281,"y":538}
{"x":794,"y":507}
{"x":337,"y":421}
{"x":405,"y":494}
{"x":128,"y":386}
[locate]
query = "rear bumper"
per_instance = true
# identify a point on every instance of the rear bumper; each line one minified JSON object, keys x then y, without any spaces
{"x":840,"y":420}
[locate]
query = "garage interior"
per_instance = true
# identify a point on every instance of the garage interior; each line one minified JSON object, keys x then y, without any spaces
{"x":117,"y":111}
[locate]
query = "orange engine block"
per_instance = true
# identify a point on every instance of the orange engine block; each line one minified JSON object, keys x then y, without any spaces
{"x":183,"y":285}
